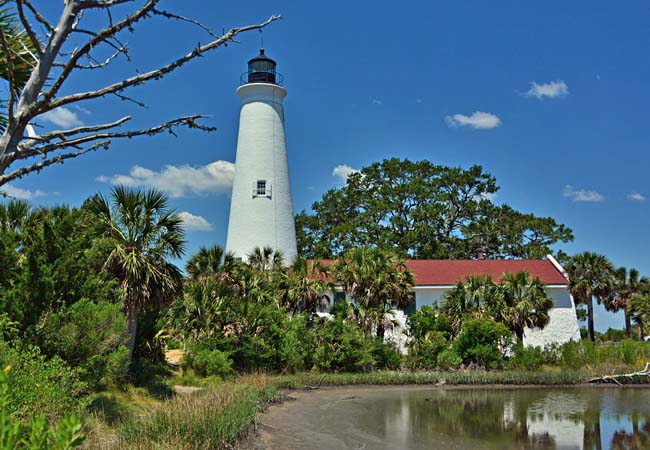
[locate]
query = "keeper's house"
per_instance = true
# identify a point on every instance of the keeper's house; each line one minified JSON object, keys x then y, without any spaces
{"x":434,"y":278}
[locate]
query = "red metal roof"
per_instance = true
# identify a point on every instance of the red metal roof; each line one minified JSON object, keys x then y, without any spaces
{"x":436,"y":272}
{"x":446,"y":272}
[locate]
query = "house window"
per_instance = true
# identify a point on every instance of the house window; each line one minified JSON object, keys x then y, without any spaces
{"x":411,"y":307}
{"x":339,"y":296}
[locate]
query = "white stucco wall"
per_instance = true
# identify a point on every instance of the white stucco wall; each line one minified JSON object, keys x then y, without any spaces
{"x":259,"y":221}
{"x":563,"y":322}
{"x":562,"y":327}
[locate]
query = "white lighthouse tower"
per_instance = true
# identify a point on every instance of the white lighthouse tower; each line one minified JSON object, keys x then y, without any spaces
{"x":261,"y":211}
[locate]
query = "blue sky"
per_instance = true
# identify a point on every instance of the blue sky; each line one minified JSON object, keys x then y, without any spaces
{"x":550,"y":97}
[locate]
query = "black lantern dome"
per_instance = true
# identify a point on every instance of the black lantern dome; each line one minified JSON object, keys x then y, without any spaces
{"x":261,"y":69}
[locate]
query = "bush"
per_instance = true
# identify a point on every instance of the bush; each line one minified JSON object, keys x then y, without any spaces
{"x":296,"y":346}
{"x":575,"y":355}
{"x":38,"y":386}
{"x":37,"y":435}
{"x":423,"y":352}
{"x":526,"y":358}
{"x":341,"y":346}
{"x":630,"y":351}
{"x":91,"y":337}
{"x":480,"y":340}
{"x":448,"y":359}
{"x":208,"y":362}
{"x":426,"y":320}
{"x":386,"y":355}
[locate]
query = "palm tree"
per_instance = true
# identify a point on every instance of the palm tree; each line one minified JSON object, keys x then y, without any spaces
{"x":469,"y":297}
{"x":143,"y":233}
{"x":211,"y":262}
{"x":625,"y":284}
{"x":377,"y":281}
{"x":266,"y":259}
{"x":303,"y":285}
{"x":590,"y":276}
{"x":522,"y":303}
{"x":640,"y":306}
{"x":18,"y":58}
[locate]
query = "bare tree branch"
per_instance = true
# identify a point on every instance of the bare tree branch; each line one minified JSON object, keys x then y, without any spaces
{"x":59,"y":159}
{"x":38,"y":16}
{"x":28,"y":27}
{"x":157,"y":73}
{"x":185,"y":19}
{"x":62,"y":134}
{"x":51,"y":71}
{"x":189,"y":121}
{"x":92,"y":43}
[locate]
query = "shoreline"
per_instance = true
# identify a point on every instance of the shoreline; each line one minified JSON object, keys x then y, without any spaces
{"x":267,"y":430}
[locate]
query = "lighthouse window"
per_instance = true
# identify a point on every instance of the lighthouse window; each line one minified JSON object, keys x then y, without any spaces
{"x":261,"y":187}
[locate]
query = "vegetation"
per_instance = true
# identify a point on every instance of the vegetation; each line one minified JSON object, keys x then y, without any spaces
{"x":76,"y":282}
{"x":142,"y":234}
{"x":423,"y":210}
{"x":591,"y":277}
{"x":36,"y":434}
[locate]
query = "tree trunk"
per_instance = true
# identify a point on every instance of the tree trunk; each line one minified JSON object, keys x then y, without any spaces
{"x":641,"y":331}
{"x":628,"y":323}
{"x":132,"y":329}
{"x":590,"y":319}
{"x":381,"y":331}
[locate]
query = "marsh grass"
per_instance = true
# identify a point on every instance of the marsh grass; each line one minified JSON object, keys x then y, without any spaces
{"x":213,"y":418}
{"x":548,"y":378}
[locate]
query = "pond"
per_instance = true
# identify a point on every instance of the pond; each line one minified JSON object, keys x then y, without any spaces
{"x":581,"y":418}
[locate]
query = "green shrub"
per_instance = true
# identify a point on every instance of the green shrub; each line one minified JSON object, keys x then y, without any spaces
{"x":38,"y":386}
{"x":37,"y":434}
{"x":423,"y":352}
{"x":208,"y":362}
{"x":296,"y":345}
{"x":575,"y":355}
{"x":341,"y":346}
{"x":630,"y":351}
{"x":526,"y":358}
{"x":426,"y":320}
{"x":90,"y":336}
{"x":448,"y":359}
{"x":481,"y":342}
{"x":386,"y":355}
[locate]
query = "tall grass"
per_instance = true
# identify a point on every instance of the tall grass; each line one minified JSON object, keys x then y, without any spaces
{"x":213,"y":418}
{"x":515,"y":377}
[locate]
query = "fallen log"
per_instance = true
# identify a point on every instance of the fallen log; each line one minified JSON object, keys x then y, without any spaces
{"x":645,"y":373}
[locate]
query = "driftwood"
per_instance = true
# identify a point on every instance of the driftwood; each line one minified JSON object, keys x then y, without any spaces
{"x":313,"y":388}
{"x":630,"y":377}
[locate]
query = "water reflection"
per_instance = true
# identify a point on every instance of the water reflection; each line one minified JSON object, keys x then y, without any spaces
{"x":562,"y":419}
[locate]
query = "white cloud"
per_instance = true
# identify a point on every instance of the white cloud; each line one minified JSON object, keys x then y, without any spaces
{"x":21,"y":194}
{"x":342,"y":172}
{"x":553,"y":89}
{"x":582,"y":195}
{"x":180,"y":181}
{"x":194,"y":223}
{"x":636,"y":196}
{"x":62,"y":117}
{"x":376,"y":101}
{"x":491,"y":196}
{"x":478,"y":120}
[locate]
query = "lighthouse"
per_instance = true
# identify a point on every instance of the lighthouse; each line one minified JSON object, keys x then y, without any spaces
{"x":261,"y":209}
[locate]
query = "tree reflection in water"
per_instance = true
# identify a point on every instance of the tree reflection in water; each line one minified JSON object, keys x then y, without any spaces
{"x":524,"y":419}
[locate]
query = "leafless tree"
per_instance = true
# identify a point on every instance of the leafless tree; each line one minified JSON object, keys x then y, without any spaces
{"x":60,"y":49}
